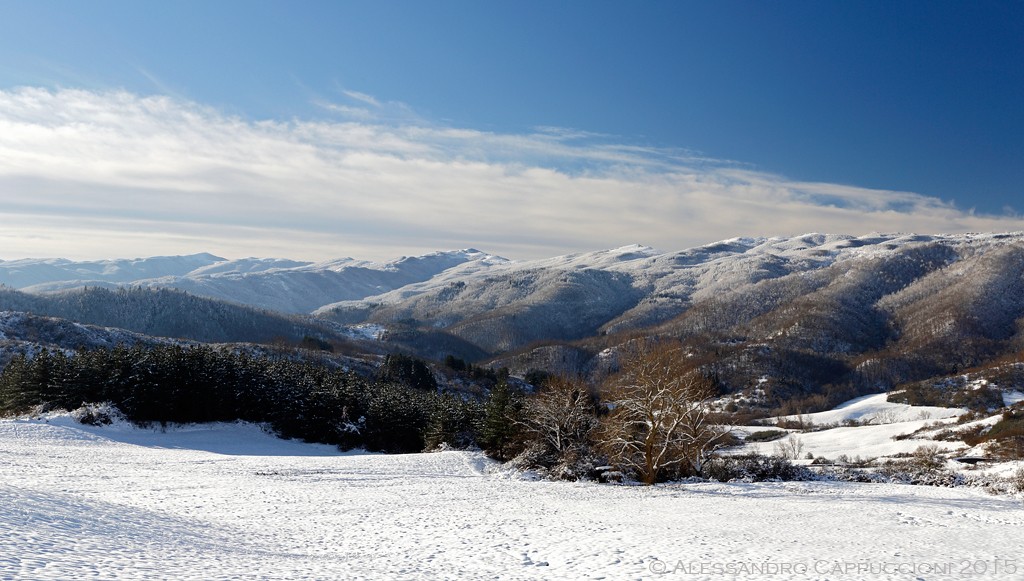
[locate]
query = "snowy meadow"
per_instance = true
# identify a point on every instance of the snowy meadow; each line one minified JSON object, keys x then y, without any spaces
{"x":228,"y":501}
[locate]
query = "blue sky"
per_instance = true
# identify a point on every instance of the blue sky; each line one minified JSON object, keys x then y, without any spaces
{"x":321,"y":129}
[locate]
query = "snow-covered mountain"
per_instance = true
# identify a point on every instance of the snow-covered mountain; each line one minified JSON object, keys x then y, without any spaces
{"x":822,"y":315}
{"x":636,"y":287}
{"x":277,"y":284}
{"x":935,"y":303}
{"x":31,"y":272}
{"x":157,"y":313}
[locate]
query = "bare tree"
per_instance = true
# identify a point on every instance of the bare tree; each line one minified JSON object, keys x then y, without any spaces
{"x":561,"y":415}
{"x":789,"y":447}
{"x":660,"y":417}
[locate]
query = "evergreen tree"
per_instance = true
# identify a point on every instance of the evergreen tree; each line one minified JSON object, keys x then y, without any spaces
{"x":453,"y":422}
{"x":500,"y":434}
{"x":18,"y":393}
{"x":407,"y":371}
{"x":185,"y":384}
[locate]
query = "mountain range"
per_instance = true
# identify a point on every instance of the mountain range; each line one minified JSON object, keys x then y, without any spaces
{"x":287,"y":286}
{"x":806,"y":312}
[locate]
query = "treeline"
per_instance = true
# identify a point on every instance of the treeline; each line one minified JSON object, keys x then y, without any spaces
{"x":565,"y":427}
{"x":204,"y":384}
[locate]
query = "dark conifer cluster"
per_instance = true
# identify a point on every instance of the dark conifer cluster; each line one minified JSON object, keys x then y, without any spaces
{"x":303,"y":400}
{"x":560,"y":426}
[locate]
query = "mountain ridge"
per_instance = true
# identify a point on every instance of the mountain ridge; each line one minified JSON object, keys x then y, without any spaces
{"x":277,"y":284}
{"x":821,"y":315}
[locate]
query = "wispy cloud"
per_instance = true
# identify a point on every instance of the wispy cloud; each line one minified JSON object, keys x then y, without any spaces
{"x":103,"y":174}
{"x":360,"y":113}
{"x":362,"y":97}
{"x":158,"y":83}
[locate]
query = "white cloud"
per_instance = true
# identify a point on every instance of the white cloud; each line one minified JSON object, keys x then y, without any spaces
{"x":103,"y":174}
{"x":363,"y":97}
{"x":360,"y":113}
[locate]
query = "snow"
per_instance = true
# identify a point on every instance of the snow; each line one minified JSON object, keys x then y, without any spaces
{"x":885,"y":420}
{"x":1012,"y":397}
{"x":633,"y":256}
{"x":653,"y":287}
{"x":669,"y":281}
{"x":366,"y":331}
{"x":875,"y":409}
{"x":874,"y":441}
{"x":272,"y":283}
{"x":19,"y":328}
{"x":1002,"y":469}
{"x":229,"y":501}
{"x":33,"y":271}
{"x":247,"y":266}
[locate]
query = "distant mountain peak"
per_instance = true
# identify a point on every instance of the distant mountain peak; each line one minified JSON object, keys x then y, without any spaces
{"x":302,"y":287}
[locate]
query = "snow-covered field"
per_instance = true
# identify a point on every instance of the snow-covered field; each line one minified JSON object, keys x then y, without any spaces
{"x":876,"y":409}
{"x":228,"y":501}
{"x":884,"y":421}
{"x":863,"y":441}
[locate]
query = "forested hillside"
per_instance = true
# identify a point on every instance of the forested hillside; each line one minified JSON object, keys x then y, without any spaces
{"x":164,"y":313}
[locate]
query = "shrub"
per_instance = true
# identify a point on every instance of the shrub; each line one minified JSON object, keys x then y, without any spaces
{"x":576,"y":463}
{"x":792,"y":424}
{"x":914,"y":472}
{"x":97,"y":414}
{"x":1011,"y":425}
{"x":1006,"y":437}
{"x":1017,"y":480}
{"x":855,"y":462}
{"x":557,"y":422}
{"x":766,"y":436}
{"x":928,"y":457}
{"x":755,"y":468}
